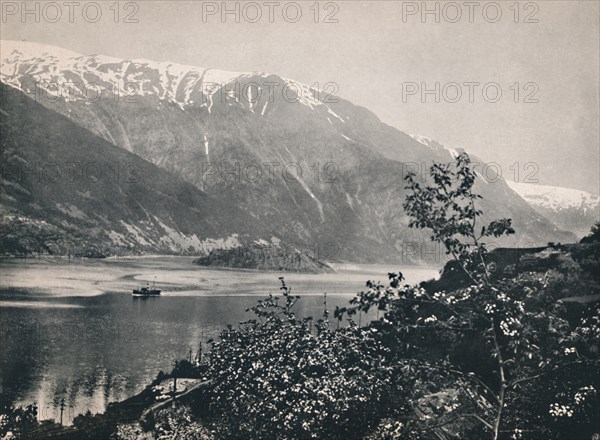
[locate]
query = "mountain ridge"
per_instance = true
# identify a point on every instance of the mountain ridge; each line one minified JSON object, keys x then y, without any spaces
{"x":108,"y":202}
{"x":337,"y":169}
{"x":577,"y":209}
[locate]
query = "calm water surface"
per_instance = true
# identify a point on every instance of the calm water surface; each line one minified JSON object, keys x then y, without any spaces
{"x":72,"y":330}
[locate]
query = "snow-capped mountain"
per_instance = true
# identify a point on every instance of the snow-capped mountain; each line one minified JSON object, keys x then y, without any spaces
{"x":556,"y":198}
{"x":309,"y":167}
{"x":568,"y":208}
{"x":63,"y":73}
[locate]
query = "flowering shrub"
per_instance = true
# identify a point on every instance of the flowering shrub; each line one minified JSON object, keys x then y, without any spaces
{"x":525,"y":333}
{"x":521,"y":325}
{"x":175,"y":423}
{"x":278,"y":377}
{"x":16,"y":421}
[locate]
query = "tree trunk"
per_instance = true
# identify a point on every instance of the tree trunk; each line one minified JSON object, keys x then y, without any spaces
{"x":502,"y":385}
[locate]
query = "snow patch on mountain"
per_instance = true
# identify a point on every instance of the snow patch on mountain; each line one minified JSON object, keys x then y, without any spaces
{"x":478,"y":174}
{"x":48,"y":66}
{"x":206,"y":144}
{"x":435,"y":145}
{"x":60,"y":73}
{"x":555,"y":197}
{"x":305,"y":93}
{"x":428,"y":142}
{"x":331,"y":112}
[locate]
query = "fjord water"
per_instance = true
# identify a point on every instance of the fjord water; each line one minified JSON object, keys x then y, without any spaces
{"x":72,"y":330}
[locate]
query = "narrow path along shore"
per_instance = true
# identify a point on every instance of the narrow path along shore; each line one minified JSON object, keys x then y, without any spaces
{"x":162,"y":404}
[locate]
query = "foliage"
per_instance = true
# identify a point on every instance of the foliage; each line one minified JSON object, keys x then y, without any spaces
{"x":168,"y":424}
{"x":14,"y":421}
{"x":279,"y":376}
{"x":594,"y":235}
{"x":448,"y":210}
{"x":520,"y":325}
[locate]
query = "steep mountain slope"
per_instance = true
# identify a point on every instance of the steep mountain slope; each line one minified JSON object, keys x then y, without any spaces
{"x":318,"y":170}
{"x":67,"y":191}
{"x":565,"y":207}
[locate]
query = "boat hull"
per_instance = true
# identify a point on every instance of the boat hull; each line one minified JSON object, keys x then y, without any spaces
{"x":148,"y":293}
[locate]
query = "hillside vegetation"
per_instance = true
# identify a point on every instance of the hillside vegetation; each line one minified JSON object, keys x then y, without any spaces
{"x":278,"y":258}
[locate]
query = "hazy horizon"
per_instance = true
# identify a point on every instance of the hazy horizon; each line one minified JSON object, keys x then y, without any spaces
{"x":373,"y":56}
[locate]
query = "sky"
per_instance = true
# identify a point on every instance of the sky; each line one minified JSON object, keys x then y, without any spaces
{"x":543,"y":57}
